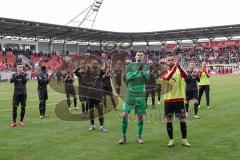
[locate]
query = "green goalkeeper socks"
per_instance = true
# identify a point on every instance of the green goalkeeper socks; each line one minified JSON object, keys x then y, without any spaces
{"x":140,"y":128}
{"x":124,"y":127}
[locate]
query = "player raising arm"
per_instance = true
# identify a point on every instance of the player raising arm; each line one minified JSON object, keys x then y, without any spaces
{"x":174,"y":95}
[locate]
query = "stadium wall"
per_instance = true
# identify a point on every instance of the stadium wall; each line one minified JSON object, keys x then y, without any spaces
{"x":19,"y":42}
{"x":61,"y":48}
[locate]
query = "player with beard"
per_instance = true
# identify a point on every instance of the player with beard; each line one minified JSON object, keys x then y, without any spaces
{"x":93,"y":81}
{"x":136,"y":76}
{"x":43,"y":81}
{"x":192,"y":90}
{"x":20,"y":94}
{"x":174,"y":95}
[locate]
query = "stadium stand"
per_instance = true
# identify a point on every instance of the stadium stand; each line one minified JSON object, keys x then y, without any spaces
{"x":7,"y":61}
{"x":212,"y":55}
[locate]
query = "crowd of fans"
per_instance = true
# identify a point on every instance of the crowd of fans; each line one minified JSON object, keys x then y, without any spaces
{"x":9,"y":59}
{"x":224,"y":55}
{"x":220,"y":55}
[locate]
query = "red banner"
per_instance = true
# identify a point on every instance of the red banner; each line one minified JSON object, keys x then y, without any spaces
{"x":218,"y":43}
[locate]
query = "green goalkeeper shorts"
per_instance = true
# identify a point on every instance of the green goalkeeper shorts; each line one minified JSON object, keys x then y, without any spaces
{"x":137,"y":102}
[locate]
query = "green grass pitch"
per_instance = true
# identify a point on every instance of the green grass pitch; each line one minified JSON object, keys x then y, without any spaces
{"x":216,"y":136}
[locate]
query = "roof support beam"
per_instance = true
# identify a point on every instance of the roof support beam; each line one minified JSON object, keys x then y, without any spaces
{"x":21,"y":28}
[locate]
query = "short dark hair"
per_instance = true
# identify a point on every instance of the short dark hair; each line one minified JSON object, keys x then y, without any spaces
{"x":140,"y":53}
{"x":94,"y":60}
{"x":43,"y":68}
{"x":170,"y":55}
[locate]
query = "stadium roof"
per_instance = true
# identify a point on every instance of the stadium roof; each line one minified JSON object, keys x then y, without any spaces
{"x":37,"y":30}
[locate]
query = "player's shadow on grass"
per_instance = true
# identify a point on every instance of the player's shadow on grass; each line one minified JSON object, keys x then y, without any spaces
{"x":63,"y":113}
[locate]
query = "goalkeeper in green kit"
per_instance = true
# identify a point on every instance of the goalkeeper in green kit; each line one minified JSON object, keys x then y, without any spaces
{"x":136,"y":76}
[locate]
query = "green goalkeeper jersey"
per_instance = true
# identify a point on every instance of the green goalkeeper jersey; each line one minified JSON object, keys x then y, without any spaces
{"x":136,"y":79}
